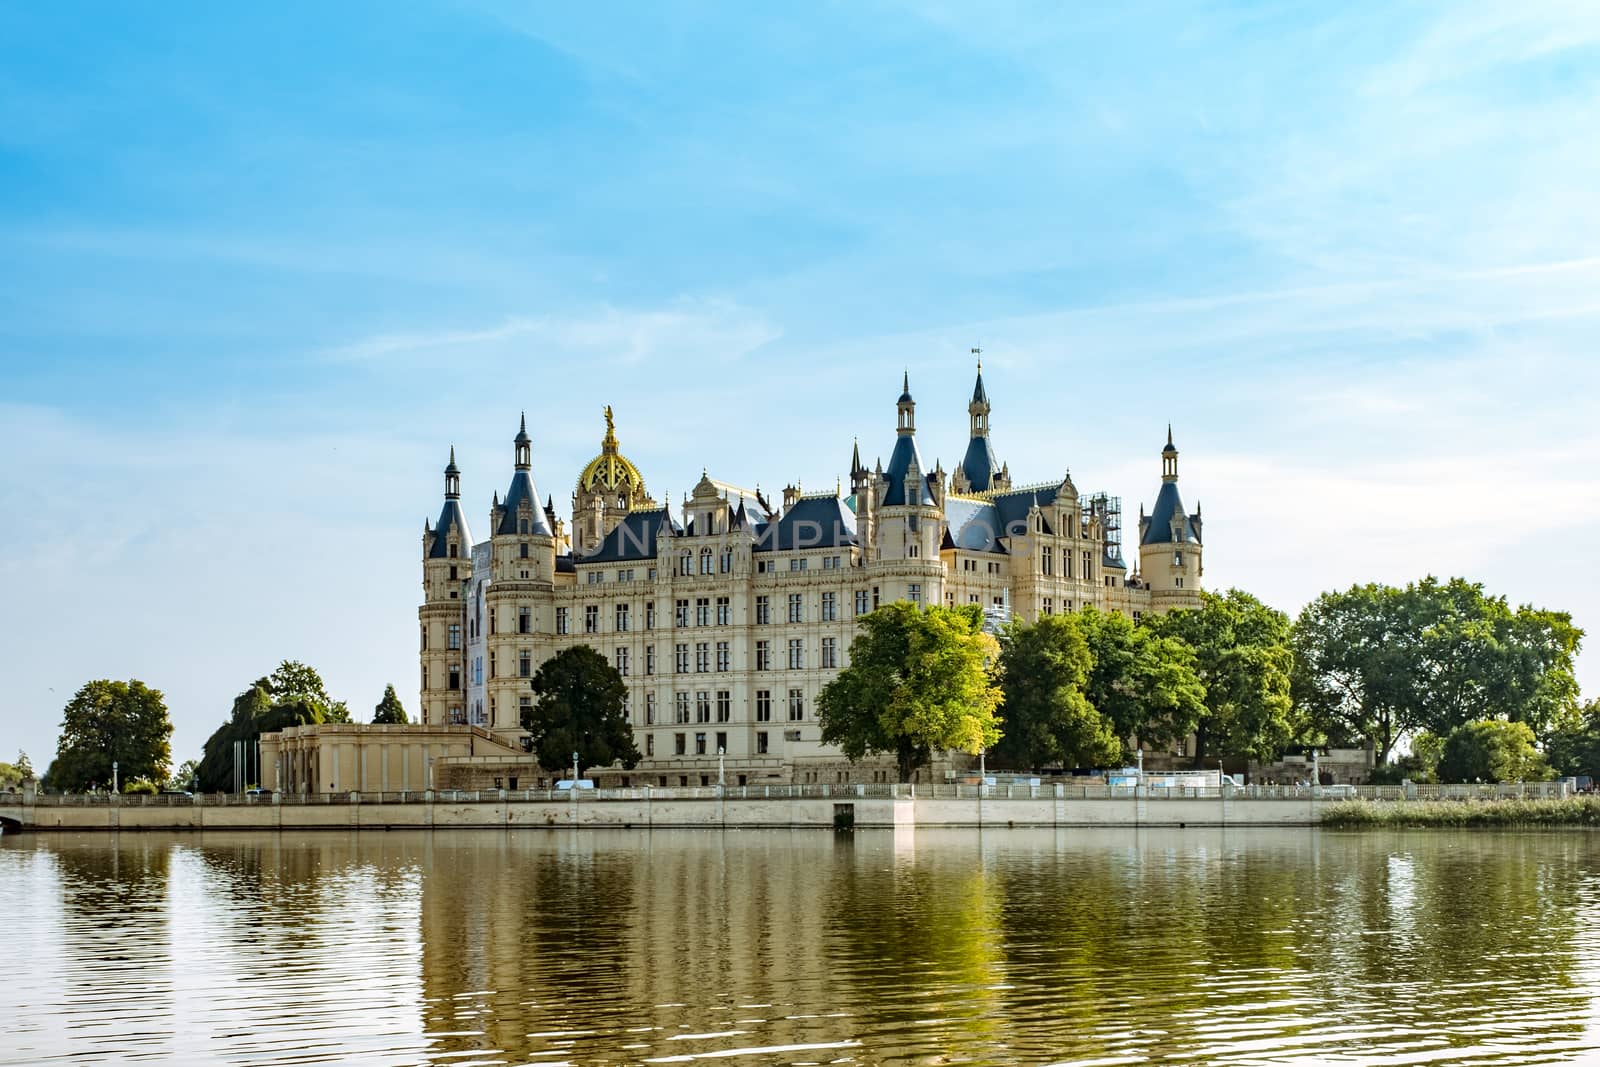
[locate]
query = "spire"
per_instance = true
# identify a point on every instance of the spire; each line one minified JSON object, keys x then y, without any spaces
{"x":906,"y":408}
{"x":855,"y":457}
{"x":979,"y":396}
{"x":980,"y":467}
{"x":452,"y":478}
{"x":1169,"y":459}
{"x":524,"y":445}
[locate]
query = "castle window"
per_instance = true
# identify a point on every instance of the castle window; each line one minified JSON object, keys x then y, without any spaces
{"x":455,"y":635}
{"x":727,"y":561}
{"x":861,"y":602}
{"x":1049,"y":607}
{"x":524,"y":548}
{"x":1177,"y":559}
{"x":700,"y":749}
{"x":763,"y":610}
{"x":680,"y":711}
{"x":622,"y":662}
{"x":763,"y":655}
{"x":424,"y":639}
{"x":1046,"y":560}
{"x":797,"y":608}
{"x":649,"y":659}
{"x":455,"y":676}
{"x":522,"y":526}
{"x":677,"y":744}
{"x":763,"y":706}
{"x":762,"y":747}
{"x":649,"y":744}
{"x":797,"y":654}
{"x":524,"y":664}
{"x":452,"y":556}
{"x":914,"y":592}
{"x":911,"y":552}
{"x":830,"y":607}
{"x":722,"y":741}
{"x":680,"y":612}
{"x":724,"y":658}
{"x":562,"y":626}
{"x":702,"y":657}
{"x":524,"y":620}
{"x":622,"y":618}
{"x":797,"y":705}
{"x":649,"y":709}
{"x":724,"y":713}
{"x":830,"y":652}
{"x":650,"y":615}
{"x":705,"y":561}
{"x":702,"y":611}
{"x":686,"y":563}
{"x":452,"y":574}
{"x":591,"y":619}
{"x":702,"y":706}
{"x":680,"y":658}
{"x":724,"y":611}
{"x":1178,"y":583}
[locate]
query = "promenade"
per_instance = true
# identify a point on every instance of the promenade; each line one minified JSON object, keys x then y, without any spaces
{"x":810,"y":806}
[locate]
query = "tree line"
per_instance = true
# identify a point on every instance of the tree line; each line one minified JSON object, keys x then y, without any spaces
{"x":1468,"y":686}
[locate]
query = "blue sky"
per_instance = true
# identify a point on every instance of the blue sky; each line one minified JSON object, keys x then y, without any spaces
{"x":260,"y":268}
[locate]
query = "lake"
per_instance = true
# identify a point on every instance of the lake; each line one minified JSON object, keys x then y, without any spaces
{"x":1246,"y":946}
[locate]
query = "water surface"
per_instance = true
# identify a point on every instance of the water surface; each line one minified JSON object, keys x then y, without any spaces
{"x":1036,"y":947}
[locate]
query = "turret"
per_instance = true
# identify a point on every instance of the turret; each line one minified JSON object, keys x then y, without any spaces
{"x":1169,"y":541}
{"x":446,"y":567}
{"x":979,"y":470}
{"x":523,"y":540}
{"x":907,"y":519}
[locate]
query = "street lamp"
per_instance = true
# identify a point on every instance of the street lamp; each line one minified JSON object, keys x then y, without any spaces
{"x":720,"y":751}
{"x":574,"y":770}
{"x":114,"y":788}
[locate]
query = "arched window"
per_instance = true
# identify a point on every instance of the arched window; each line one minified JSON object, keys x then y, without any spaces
{"x":705,"y":561}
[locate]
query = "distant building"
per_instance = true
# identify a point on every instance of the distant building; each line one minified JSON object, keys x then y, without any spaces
{"x":727,"y":615}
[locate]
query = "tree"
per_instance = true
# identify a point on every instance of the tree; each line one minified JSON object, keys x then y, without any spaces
{"x":10,"y":776}
{"x":1492,"y":750}
{"x":1377,"y":664}
{"x":1573,"y":748}
{"x":295,"y":680}
{"x":917,"y":682}
{"x":109,"y":722}
{"x":183,"y":779}
{"x":1144,"y":683}
{"x":1242,"y":658}
{"x":1042,"y":673}
{"x":389,"y":710}
{"x":579,"y":709}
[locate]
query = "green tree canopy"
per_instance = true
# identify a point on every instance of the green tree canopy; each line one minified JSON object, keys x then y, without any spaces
{"x":1141,"y":681}
{"x":1048,"y":720}
{"x":10,"y":776}
{"x":24,"y":765}
{"x":294,"y":681}
{"x":579,"y":708}
{"x":183,"y":778}
{"x":1378,"y":663}
{"x":389,"y":710}
{"x":1492,"y":750}
{"x":917,"y":681}
{"x":1242,"y":658}
{"x":1573,"y":747}
{"x":106,"y":722}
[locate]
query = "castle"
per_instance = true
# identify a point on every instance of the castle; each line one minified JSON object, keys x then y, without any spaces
{"x":726,"y":616}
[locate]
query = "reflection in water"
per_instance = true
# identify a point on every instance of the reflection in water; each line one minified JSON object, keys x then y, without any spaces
{"x":620,"y":947}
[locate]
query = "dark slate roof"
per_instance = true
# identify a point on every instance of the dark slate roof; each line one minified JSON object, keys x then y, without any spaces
{"x":566,"y":565}
{"x":979,"y":464}
{"x":1013,"y":507}
{"x":905,"y":450}
{"x":1158,"y":526}
{"x":973,"y":525}
{"x":634,"y":538}
{"x":905,"y":389}
{"x":813,"y":522}
{"x":522,"y":491}
{"x":450,"y":517}
{"x":979,"y":395}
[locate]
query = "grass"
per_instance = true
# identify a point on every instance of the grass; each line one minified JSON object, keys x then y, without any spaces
{"x":1565,"y":811}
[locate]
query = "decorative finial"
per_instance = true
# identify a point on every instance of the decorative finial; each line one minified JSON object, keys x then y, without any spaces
{"x":979,"y":353}
{"x":1169,"y":435}
{"x":524,"y":426}
{"x":905,"y":380}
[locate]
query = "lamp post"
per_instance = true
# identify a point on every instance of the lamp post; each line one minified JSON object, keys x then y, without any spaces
{"x":720,"y":752}
{"x":574,"y":770}
{"x":114,"y":788}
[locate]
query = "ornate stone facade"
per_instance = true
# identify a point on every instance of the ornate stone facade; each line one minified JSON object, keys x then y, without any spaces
{"x":727,"y":616}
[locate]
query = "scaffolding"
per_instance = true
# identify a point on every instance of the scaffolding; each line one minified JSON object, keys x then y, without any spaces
{"x":1107,"y":510}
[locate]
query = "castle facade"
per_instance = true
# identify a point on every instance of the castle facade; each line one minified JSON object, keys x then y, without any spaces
{"x":727,"y":615}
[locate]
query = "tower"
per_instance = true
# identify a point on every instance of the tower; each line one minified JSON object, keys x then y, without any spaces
{"x":979,"y":470}
{"x":446,"y":566}
{"x":1169,"y":542}
{"x":907,"y":520}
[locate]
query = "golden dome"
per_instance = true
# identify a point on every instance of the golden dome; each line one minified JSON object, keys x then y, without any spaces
{"x":611,"y":471}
